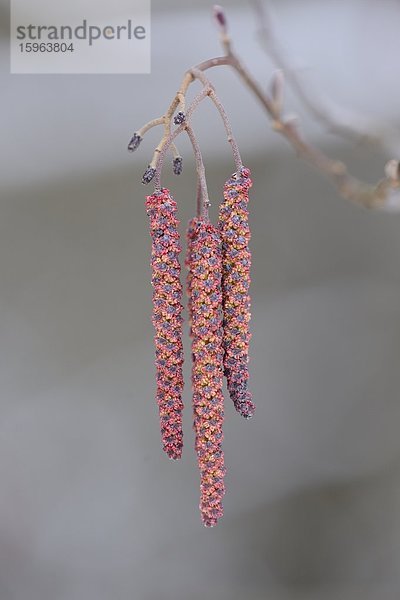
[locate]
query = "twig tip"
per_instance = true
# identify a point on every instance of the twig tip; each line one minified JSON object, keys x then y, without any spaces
{"x":134,"y":142}
{"x":177,"y":165}
{"x":219,"y":15}
{"x":148,"y":175}
{"x":392,"y":170}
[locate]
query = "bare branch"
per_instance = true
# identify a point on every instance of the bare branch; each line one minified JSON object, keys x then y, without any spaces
{"x":166,"y":142}
{"x":338,"y":120}
{"x":385,"y":194}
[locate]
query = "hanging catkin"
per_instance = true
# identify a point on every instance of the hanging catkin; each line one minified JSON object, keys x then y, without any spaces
{"x":167,"y":319}
{"x":236,"y":262}
{"x":204,"y":262}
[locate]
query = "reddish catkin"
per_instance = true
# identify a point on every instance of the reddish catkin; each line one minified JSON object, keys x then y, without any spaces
{"x":236,"y":260}
{"x":167,"y":319}
{"x":192,"y":226}
{"x":204,"y":261}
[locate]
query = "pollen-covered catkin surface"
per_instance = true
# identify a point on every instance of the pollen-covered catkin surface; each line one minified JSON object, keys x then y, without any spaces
{"x":167,"y":319}
{"x":204,"y":262}
{"x":236,"y":261}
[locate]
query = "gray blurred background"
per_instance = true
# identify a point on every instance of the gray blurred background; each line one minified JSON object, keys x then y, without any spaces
{"x":90,"y":508}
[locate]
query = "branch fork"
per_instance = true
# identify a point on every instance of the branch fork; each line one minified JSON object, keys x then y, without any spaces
{"x":383,"y":195}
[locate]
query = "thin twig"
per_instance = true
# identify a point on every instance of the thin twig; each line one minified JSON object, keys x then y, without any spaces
{"x":217,"y":102}
{"x":158,"y":164}
{"x":337,"y":119}
{"x":235,"y":148}
{"x":385,"y":194}
{"x":150,"y":125}
{"x":196,"y":72}
{"x":202,"y":193}
{"x":175,"y":151}
{"x":202,"y":201}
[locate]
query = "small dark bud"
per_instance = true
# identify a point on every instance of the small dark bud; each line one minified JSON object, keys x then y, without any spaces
{"x":220,"y":16}
{"x":134,"y":143}
{"x":179,"y":118}
{"x":148,"y":175}
{"x":177,"y":165}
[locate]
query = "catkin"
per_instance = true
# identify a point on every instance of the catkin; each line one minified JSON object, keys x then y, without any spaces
{"x":236,"y":261}
{"x":167,"y":319}
{"x":204,"y":262}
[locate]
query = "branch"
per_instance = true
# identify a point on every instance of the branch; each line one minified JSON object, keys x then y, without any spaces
{"x":385,"y":194}
{"x":203,"y":201}
{"x":337,"y":119}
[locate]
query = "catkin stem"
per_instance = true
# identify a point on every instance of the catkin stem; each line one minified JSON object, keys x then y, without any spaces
{"x":163,"y":149}
{"x":202,"y":201}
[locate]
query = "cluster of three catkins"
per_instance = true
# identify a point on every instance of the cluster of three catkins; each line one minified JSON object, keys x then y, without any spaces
{"x":218,"y":261}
